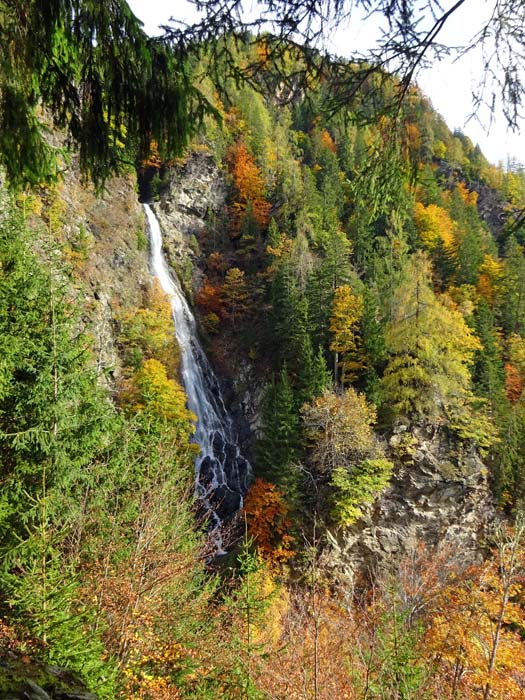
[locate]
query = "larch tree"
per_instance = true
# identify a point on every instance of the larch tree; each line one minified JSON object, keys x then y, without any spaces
{"x":431,"y":350}
{"x":347,"y":310}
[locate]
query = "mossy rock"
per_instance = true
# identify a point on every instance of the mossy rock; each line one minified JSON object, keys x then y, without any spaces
{"x":22,"y":678}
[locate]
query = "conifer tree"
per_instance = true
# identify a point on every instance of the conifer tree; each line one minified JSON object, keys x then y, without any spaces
{"x":513,"y":298}
{"x":113,"y":89}
{"x":430,"y":349}
{"x":314,"y":376}
{"x":289,"y":320}
{"x":278,"y":448}
{"x":55,"y":423}
{"x":488,"y":374}
{"x":373,"y":348}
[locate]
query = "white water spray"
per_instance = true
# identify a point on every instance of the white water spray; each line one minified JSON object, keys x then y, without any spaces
{"x":221,"y":472}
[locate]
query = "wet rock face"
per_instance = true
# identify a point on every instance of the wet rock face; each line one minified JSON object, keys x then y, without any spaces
{"x":226,"y":497}
{"x":439,"y":497}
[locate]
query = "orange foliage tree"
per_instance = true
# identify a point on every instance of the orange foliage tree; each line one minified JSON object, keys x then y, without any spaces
{"x":513,"y":383}
{"x":250,"y":190}
{"x":266,"y":514}
{"x":475,"y":631}
{"x":209,"y":298}
{"x":327,"y":141}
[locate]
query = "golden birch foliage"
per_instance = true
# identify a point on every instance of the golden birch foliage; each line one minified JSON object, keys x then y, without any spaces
{"x":327,"y":141}
{"x":267,"y":632}
{"x":465,"y":297}
{"x":434,"y":224}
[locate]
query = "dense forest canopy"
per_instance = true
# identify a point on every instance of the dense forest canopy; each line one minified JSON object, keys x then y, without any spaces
{"x":411,"y":35}
{"x":90,"y":69}
{"x":358,"y":280}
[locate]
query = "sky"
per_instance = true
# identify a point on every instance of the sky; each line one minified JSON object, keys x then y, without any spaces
{"x":448,"y":84}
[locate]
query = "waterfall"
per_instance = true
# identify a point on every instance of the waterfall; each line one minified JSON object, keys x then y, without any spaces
{"x":221,"y":472}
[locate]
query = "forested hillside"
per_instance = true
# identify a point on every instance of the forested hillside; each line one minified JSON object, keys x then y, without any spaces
{"x":358,"y":277}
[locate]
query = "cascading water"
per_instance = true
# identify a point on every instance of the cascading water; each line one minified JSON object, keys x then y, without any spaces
{"x":221,"y":472}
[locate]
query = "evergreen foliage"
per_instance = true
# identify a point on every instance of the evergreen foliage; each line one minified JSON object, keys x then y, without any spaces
{"x":430,"y":349}
{"x":113,"y":89}
{"x":324,"y":246}
{"x":278,"y":448}
{"x":358,"y":488}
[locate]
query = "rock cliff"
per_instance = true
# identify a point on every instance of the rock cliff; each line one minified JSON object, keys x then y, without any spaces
{"x":23,"y":678}
{"x":438,"y":497}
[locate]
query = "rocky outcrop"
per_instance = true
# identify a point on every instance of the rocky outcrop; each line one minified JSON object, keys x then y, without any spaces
{"x":196,"y":193}
{"x":491,"y":206}
{"x":110,"y":258}
{"x":22,"y":678}
{"x":439,"y":497}
{"x":104,"y":250}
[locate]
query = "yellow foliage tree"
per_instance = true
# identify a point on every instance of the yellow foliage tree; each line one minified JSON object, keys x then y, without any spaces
{"x":347,"y":310}
{"x":490,"y":279}
{"x":151,"y":390}
{"x":470,"y":198}
{"x":434,"y":225}
{"x":147,"y":333}
{"x":474,"y":633}
{"x":431,"y":348}
{"x":339,"y":430}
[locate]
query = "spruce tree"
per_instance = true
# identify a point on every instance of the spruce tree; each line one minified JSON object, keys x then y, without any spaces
{"x":513,"y":302}
{"x":55,"y":424}
{"x":373,"y":348}
{"x":104,"y":81}
{"x":278,"y":448}
{"x":488,"y":374}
